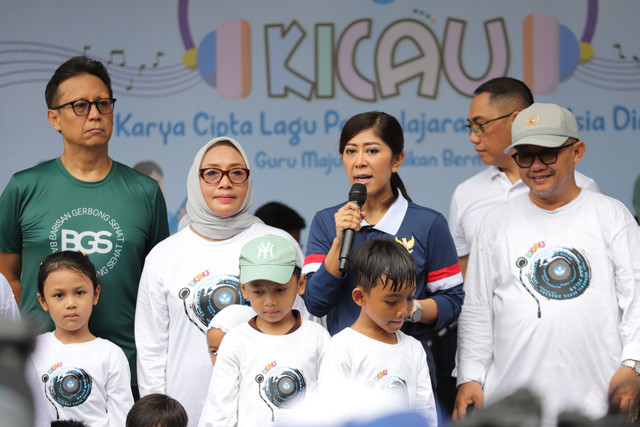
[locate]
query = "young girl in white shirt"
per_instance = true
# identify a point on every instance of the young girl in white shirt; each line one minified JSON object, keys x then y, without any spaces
{"x":84,"y":377}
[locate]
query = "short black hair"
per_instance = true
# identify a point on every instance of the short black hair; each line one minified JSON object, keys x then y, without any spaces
{"x":74,"y":67}
{"x":67,"y":260}
{"x":507,"y":89}
{"x":383,"y":261}
{"x":157,"y":410}
{"x":280,"y":216}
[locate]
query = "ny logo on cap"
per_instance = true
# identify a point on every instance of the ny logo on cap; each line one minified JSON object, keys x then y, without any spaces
{"x":531,"y":121}
{"x":265,"y":249}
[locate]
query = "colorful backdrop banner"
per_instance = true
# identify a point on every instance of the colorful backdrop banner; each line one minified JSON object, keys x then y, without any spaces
{"x":282,"y":77}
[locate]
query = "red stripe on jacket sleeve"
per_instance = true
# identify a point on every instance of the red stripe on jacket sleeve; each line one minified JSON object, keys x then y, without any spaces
{"x":316,"y":259}
{"x":443,"y":273}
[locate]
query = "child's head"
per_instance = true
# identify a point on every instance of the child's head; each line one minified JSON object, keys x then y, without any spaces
{"x":69,"y":260}
{"x":270,"y":277}
{"x":68,"y":289}
{"x":229,"y":317}
{"x":157,"y":410}
{"x":384,"y":274}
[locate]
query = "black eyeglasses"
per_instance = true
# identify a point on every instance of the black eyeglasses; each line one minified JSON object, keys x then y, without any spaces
{"x":476,"y":128}
{"x":215,"y":175}
{"x":82,"y":107}
{"x":548,"y":156}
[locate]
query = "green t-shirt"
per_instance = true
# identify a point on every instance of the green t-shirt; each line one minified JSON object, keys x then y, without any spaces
{"x":115,"y":221}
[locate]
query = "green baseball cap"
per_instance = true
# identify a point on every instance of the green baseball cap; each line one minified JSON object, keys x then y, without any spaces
{"x":268,"y":257}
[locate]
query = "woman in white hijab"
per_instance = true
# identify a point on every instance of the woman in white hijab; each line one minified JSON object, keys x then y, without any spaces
{"x":193,"y":275}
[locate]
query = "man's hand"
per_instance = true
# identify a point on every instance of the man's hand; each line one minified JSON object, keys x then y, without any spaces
{"x":468,"y":394}
{"x":624,"y":393}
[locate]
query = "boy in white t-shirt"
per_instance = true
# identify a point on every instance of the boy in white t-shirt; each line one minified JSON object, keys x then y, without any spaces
{"x":373,"y":352}
{"x":270,"y":364}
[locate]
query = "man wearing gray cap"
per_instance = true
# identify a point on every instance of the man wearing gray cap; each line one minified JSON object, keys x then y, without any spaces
{"x":552,"y":287}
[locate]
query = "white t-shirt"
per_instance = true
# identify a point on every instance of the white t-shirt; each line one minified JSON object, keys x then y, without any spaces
{"x":186,"y":280}
{"x":89,"y":382}
{"x":258,"y":378}
{"x":8,"y":306}
{"x":473,"y":198}
{"x":400,"y":369}
{"x":552,"y":302}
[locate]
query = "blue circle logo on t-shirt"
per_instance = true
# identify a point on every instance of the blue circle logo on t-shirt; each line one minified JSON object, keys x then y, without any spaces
{"x":559,"y":273}
{"x":205,"y":297}
{"x":224,"y":298}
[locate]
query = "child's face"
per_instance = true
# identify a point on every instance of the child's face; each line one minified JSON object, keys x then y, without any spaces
{"x":273,"y":301}
{"x":386,"y":309}
{"x":214,"y":338}
{"x":69,"y":298}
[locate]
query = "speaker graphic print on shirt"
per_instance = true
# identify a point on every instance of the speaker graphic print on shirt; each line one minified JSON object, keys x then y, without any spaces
{"x":392,"y":386}
{"x":280,"y":387}
{"x":207,"y":294}
{"x":556,"y":272}
{"x":67,"y":387}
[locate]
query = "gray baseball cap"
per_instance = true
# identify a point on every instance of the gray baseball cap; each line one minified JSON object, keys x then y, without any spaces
{"x":544,"y":125}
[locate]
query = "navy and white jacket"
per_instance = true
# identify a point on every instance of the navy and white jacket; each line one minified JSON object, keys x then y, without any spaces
{"x":425,"y":234}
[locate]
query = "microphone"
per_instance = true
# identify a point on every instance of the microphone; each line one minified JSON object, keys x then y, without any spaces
{"x":357,"y":194}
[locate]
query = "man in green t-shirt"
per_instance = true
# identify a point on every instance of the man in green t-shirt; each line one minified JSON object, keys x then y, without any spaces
{"x":82,"y":201}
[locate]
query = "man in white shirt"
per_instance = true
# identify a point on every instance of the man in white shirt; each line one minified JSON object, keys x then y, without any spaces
{"x":491,"y":113}
{"x":494,"y":106}
{"x":552,"y":302}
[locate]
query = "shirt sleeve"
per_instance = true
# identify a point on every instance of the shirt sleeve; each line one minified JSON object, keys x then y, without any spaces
{"x":322,"y":290}
{"x":151,"y":331}
{"x":159,"y":229}
{"x":221,"y":404}
{"x":118,"y":388}
{"x":475,"y":326}
{"x":335,"y":368}
{"x":626,"y":246}
{"x":8,"y":306}
{"x":456,"y":228}
{"x":10,"y":230}
{"x":444,"y":278}
{"x":323,"y":344}
{"x":425,"y":401}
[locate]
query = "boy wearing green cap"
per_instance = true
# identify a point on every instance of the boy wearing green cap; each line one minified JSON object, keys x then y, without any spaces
{"x":270,"y":364}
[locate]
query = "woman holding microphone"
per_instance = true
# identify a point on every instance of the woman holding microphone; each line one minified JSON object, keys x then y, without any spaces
{"x":371,"y":148}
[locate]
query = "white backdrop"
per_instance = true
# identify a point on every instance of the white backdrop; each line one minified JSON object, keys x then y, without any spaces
{"x":284,"y":74}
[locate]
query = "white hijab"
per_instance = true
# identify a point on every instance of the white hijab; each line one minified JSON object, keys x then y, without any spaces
{"x":200,"y":216}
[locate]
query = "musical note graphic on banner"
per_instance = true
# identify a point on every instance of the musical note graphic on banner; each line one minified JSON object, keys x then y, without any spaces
{"x":617,"y":46}
{"x":116,"y":53}
{"x":158,"y":55}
